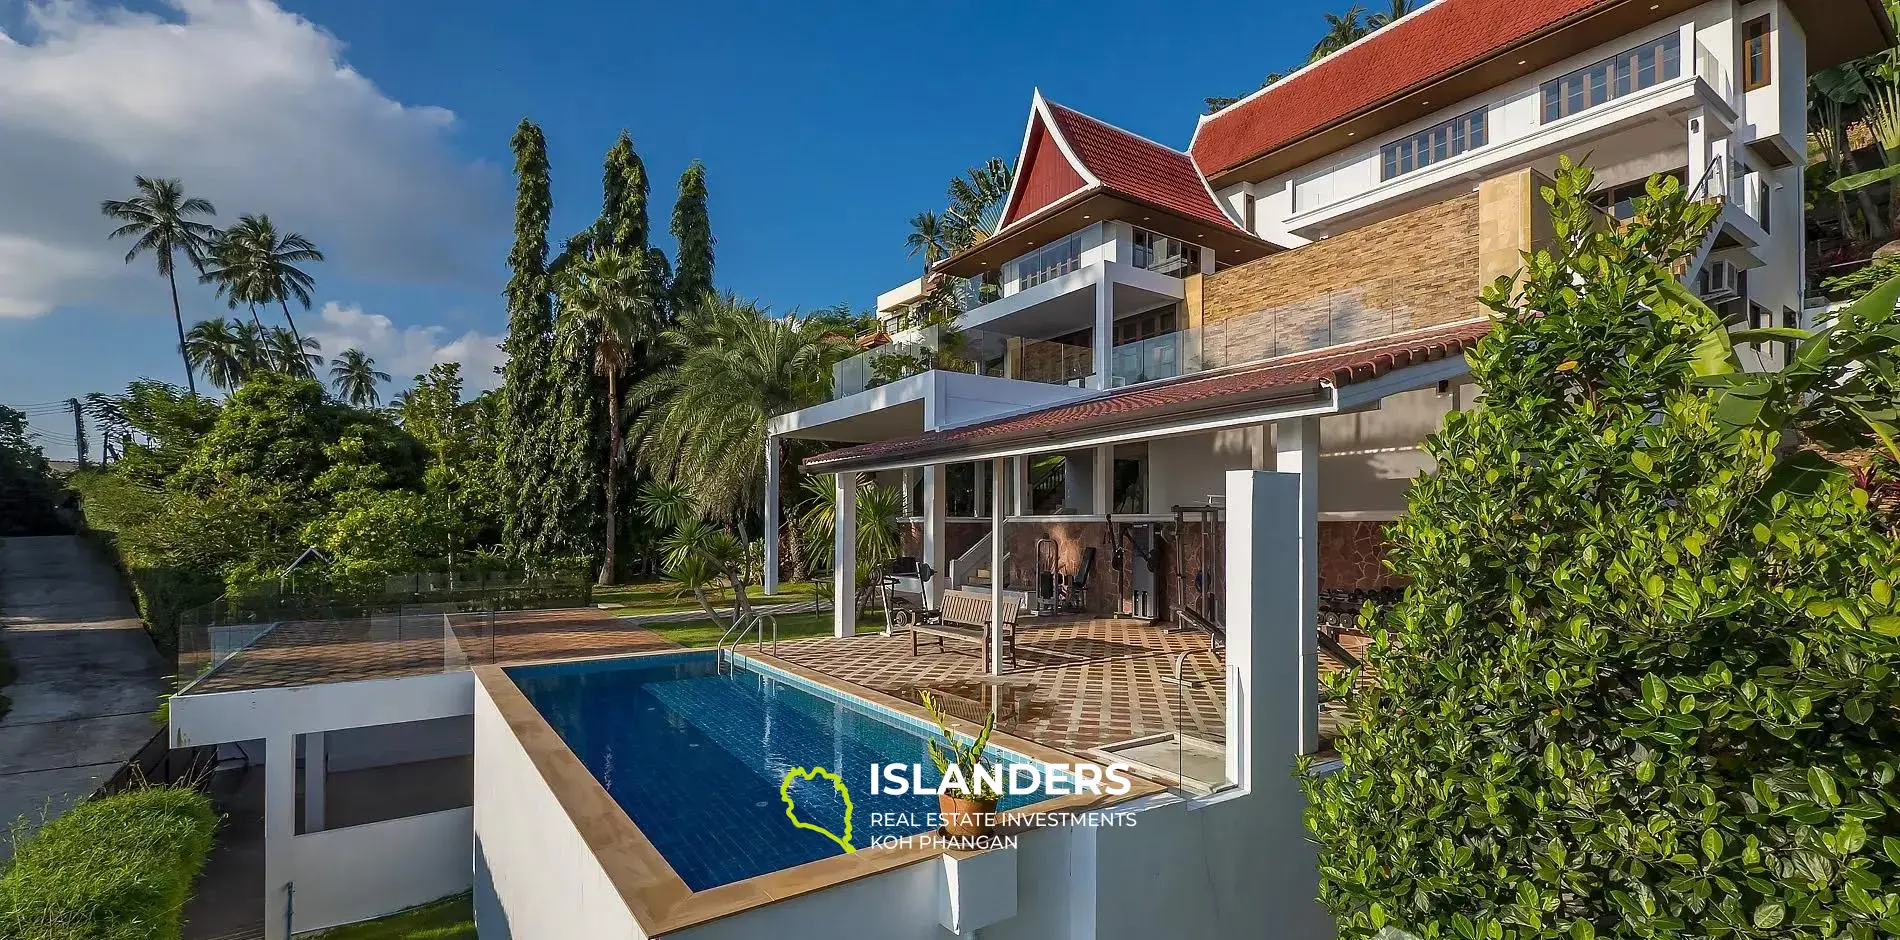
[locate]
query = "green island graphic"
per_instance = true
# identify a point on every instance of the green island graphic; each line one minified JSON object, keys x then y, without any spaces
{"x":791,"y":811}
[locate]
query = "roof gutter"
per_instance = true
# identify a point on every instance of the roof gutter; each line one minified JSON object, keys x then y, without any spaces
{"x":1320,"y":395}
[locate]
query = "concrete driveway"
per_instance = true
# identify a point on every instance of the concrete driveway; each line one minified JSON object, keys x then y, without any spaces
{"x":89,"y":677}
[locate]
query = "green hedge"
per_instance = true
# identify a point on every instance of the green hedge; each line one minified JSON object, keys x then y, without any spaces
{"x":115,"y":868}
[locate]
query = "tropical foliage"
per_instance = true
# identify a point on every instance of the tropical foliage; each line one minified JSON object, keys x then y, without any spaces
{"x":28,"y":492}
{"x":1643,"y":681}
{"x":163,"y":222}
{"x":354,"y":376}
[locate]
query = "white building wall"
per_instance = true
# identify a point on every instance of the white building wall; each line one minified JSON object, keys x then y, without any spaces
{"x":535,"y":876}
{"x":1513,"y":111}
{"x":347,"y":875}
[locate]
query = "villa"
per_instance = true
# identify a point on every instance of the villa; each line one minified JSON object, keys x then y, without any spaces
{"x":1189,"y":390}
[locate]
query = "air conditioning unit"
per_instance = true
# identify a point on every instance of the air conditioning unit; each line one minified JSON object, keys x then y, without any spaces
{"x":1721,"y":282}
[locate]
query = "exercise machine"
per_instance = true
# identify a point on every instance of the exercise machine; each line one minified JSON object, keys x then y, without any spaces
{"x":1199,"y":595}
{"x":1135,"y":584}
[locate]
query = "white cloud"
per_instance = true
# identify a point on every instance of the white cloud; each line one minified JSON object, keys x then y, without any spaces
{"x":253,"y":108}
{"x":405,"y":352}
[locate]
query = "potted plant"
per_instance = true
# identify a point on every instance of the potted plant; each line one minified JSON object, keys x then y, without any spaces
{"x":970,"y":813}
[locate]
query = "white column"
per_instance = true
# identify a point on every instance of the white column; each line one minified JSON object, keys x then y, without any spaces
{"x":980,"y":472}
{"x":844,"y":555}
{"x":771,"y":515}
{"x":1698,"y":149}
{"x":1297,"y":446}
{"x":280,"y":826}
{"x":315,"y":768}
{"x":935,"y":511}
{"x":1104,"y":480}
{"x":1268,"y":674}
{"x":1018,"y":469}
{"x":1104,"y":328}
{"x":910,"y":491}
{"x":997,"y":580}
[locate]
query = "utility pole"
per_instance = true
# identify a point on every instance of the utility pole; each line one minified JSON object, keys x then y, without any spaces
{"x":79,"y":430}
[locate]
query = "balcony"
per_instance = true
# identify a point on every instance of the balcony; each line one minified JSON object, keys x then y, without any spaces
{"x":975,"y":352}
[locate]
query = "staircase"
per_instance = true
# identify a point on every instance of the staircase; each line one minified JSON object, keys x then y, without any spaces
{"x":970,"y":571}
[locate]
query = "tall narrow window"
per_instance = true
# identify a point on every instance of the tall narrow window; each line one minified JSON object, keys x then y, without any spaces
{"x":1247,"y":210}
{"x":1757,"y":65}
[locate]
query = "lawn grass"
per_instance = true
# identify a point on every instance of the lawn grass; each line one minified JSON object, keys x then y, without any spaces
{"x":665,"y":597}
{"x":790,"y":627}
{"x":452,"y":918}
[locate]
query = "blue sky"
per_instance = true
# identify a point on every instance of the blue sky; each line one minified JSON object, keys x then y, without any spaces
{"x":824,"y":127}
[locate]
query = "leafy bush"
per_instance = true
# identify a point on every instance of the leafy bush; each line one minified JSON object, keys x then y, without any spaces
{"x":27,"y":490}
{"x":115,"y":868}
{"x":1643,"y":682}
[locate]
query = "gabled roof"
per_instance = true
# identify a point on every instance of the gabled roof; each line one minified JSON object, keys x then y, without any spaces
{"x":1236,"y":389}
{"x":1066,"y":152}
{"x":1451,"y":49}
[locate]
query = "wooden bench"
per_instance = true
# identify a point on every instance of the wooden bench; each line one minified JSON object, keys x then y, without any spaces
{"x":966,"y":617}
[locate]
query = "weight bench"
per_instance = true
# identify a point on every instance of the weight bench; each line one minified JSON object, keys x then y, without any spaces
{"x":966,"y":617}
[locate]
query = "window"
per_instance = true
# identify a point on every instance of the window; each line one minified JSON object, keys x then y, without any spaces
{"x":1164,"y":255}
{"x":1433,"y":144}
{"x":1144,"y":326}
{"x":1757,"y":69}
{"x":1619,"y":202}
{"x":1651,"y":63}
{"x":1046,"y":263}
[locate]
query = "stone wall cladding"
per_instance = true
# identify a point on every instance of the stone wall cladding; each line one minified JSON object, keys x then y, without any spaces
{"x":1417,"y":270}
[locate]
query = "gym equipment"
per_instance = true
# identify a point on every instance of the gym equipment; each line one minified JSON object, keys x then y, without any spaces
{"x":1201,"y":608}
{"x":1135,"y":585}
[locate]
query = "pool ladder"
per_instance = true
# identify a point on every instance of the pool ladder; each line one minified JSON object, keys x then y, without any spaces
{"x":750,"y":623}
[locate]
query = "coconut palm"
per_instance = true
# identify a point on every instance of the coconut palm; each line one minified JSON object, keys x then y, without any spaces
{"x":606,"y":304}
{"x":253,"y":345}
{"x":702,"y":422}
{"x":256,"y":264}
{"x":354,"y":376}
{"x":1399,"y":9}
{"x":161,"y":218}
{"x":1342,"y":30}
{"x":293,"y":356}
{"x":929,"y":237}
{"x":216,"y":347}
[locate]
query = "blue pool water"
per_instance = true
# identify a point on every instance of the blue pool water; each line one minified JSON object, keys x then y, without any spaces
{"x":696,"y":758}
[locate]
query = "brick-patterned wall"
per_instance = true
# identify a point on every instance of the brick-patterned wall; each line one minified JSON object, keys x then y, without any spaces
{"x":958,"y":537}
{"x":1416,"y":270}
{"x":1352,"y":557}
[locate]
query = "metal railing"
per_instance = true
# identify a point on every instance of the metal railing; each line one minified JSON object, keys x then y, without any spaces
{"x":750,"y":622}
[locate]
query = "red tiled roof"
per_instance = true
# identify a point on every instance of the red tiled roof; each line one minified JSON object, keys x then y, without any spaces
{"x":1135,"y":166}
{"x":1237,"y":388}
{"x":1430,"y":44}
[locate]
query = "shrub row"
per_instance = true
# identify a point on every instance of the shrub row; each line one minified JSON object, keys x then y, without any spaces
{"x":116,"y":868}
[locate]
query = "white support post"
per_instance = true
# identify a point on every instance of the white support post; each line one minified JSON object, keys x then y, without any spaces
{"x":935,"y":512}
{"x":280,"y":826}
{"x":844,"y":554}
{"x":980,"y":472}
{"x":1104,"y":329}
{"x":315,"y":770}
{"x":997,"y":580}
{"x":1297,"y":447}
{"x":1104,"y":482}
{"x":1262,"y":577}
{"x":1698,"y":149}
{"x":770,"y":585}
{"x":910,"y":491}
{"x":1018,"y":486}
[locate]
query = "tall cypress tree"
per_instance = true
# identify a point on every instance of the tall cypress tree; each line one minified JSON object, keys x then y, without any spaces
{"x":524,"y":458}
{"x":692,"y":229}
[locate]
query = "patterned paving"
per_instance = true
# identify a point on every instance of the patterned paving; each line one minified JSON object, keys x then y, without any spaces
{"x":417,"y":642}
{"x":1078,"y":683}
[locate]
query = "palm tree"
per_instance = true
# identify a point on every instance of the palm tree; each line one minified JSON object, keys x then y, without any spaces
{"x":216,"y":347}
{"x":976,"y":201}
{"x":702,"y":423}
{"x":929,"y":237}
{"x":1399,"y":9}
{"x":605,"y":302}
{"x":291,"y":355}
{"x":1342,"y":30}
{"x":253,"y":345}
{"x":160,"y":216}
{"x":272,"y":264}
{"x":354,"y":375}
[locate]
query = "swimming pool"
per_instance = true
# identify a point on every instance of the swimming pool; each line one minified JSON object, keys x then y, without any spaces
{"x":696,"y":758}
